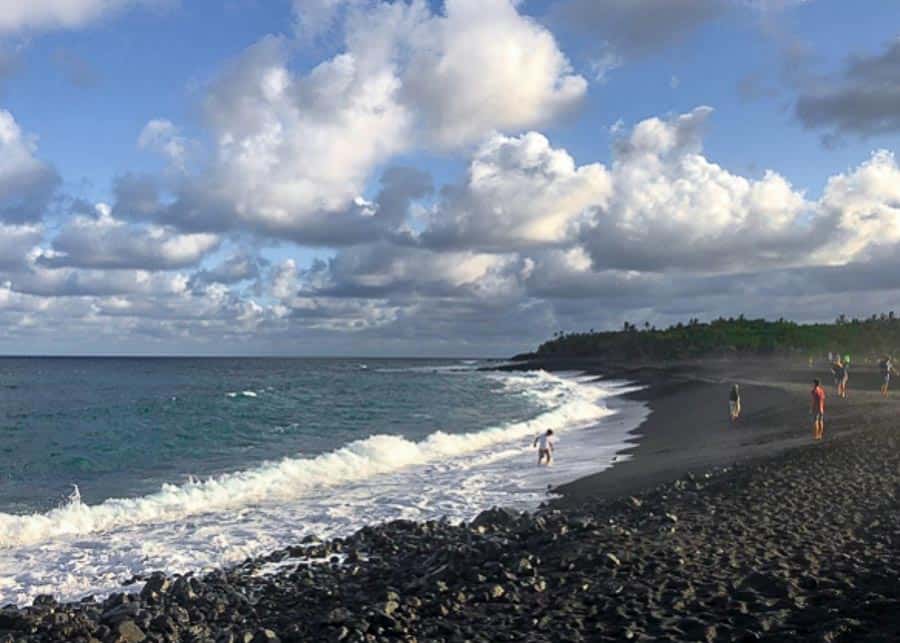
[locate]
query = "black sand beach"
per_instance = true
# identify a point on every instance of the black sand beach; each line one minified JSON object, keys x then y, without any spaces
{"x":709,"y":532}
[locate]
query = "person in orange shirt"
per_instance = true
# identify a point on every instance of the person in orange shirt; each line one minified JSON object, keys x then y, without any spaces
{"x":818,"y":410}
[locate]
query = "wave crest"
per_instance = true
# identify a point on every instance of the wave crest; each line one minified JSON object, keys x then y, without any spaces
{"x":568,"y":404}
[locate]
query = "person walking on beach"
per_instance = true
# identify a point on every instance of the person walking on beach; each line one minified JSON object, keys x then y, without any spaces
{"x":734,"y":403}
{"x":818,"y":410}
{"x":839,"y":370}
{"x":887,"y":367}
{"x":845,"y":375}
{"x":545,"y":446}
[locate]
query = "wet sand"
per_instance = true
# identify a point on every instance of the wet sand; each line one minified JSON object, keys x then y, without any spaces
{"x":689,"y":429}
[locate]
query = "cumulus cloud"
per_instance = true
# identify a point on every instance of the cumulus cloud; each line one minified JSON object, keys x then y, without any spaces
{"x":26,"y":183}
{"x":104,"y":242}
{"x":294,"y":152}
{"x":864,"y":205}
{"x":863,"y":100}
{"x":161,"y":135}
{"x":62,"y":14}
{"x":238,"y":267}
{"x":73,"y":282}
{"x":381,"y":270}
{"x":674,"y":208}
{"x":661,"y":234}
{"x":520,"y":192}
{"x":485,"y":66}
{"x":16,"y":242}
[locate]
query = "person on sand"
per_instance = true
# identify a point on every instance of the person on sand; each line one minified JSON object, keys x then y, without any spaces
{"x":734,"y":402}
{"x":840,"y":373}
{"x":845,"y":375}
{"x":545,"y":446}
{"x":887,"y":368}
{"x":818,"y":410}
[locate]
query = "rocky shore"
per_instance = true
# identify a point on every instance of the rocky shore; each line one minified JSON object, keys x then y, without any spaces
{"x":804,"y":545}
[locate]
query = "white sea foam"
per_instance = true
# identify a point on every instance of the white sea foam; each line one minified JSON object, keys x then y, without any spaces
{"x":78,"y":548}
{"x":234,"y":394}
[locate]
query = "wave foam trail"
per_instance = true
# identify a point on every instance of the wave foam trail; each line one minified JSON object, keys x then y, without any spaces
{"x":81,"y":549}
{"x":292,"y":477}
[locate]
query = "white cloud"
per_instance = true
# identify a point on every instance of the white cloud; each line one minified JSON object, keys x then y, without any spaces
{"x":520,"y":192}
{"x":20,"y":15}
{"x":106,"y":243}
{"x":605,"y":63}
{"x":26,"y":183}
{"x":485,"y":66}
{"x":292,"y":149}
{"x":162,"y":136}
{"x":865,"y":205}
{"x":294,"y":152}
{"x":672,"y":207}
{"x":16,"y":241}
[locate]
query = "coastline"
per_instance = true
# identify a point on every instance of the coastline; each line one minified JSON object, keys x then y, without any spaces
{"x":708,"y":532}
{"x":688,"y":430}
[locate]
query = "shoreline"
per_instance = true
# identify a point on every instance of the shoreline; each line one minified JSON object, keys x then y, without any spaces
{"x":688,"y":430}
{"x":709,"y":532}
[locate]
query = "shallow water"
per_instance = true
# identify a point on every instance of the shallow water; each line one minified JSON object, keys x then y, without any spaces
{"x":118,"y":467}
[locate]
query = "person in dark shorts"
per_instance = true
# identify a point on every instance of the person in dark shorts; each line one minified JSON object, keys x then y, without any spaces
{"x":839,"y":370}
{"x":818,"y":410}
{"x":734,"y":403}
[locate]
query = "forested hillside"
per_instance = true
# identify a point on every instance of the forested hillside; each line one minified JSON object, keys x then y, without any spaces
{"x":864,"y":338}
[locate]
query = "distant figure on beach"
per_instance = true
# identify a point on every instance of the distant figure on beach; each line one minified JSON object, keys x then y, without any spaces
{"x":734,"y":402}
{"x":841,"y":375}
{"x":845,"y":375}
{"x":818,"y":410}
{"x":545,"y":446}
{"x":887,"y":368}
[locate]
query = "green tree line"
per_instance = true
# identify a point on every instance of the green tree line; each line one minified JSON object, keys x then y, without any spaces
{"x":872,"y":337}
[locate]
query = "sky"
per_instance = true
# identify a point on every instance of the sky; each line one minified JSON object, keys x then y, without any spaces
{"x":438,"y":178}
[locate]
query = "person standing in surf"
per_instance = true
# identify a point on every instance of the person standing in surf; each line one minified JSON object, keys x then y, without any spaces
{"x":545,"y":447}
{"x":818,"y":410}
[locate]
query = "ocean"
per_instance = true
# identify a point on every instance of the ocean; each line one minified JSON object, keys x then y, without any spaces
{"x":115,"y":467}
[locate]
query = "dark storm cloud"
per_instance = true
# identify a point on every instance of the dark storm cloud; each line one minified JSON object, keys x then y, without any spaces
{"x":863,"y":100}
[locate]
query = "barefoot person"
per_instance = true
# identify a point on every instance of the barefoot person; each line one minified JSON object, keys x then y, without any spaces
{"x":545,"y":446}
{"x":887,"y":368}
{"x":734,"y":403}
{"x":818,"y":410}
{"x":839,"y":369}
{"x":846,"y":375}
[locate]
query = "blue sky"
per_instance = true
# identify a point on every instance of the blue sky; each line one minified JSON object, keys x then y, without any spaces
{"x":268,"y":232}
